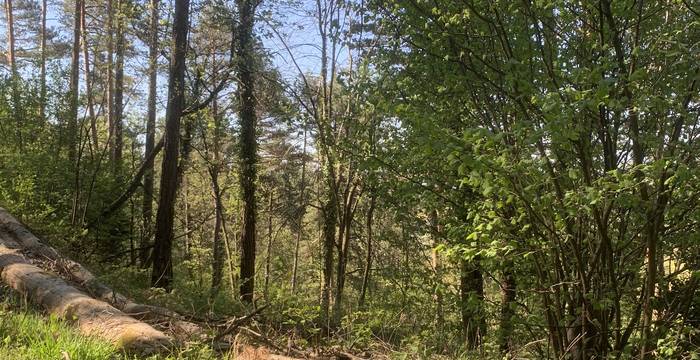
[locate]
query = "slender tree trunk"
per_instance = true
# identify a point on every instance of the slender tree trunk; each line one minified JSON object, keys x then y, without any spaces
{"x":508,"y":292}
{"x":437,"y":267}
{"x":248,"y":149}
{"x":329,"y":228}
{"x":88,"y":81}
{"x":268,"y":250}
{"x":218,"y":249}
{"x":117,"y":150}
{"x":302,"y":212}
{"x":186,"y":210}
{"x":331,"y":205}
{"x":9,"y":13}
{"x":368,"y":256}
{"x":14,"y":75}
{"x":110,"y":78}
{"x":74,"y":85}
{"x":471,"y":299}
{"x":162,"y":251}
{"x":150,"y":131}
{"x":74,"y":141}
{"x":42,"y":65}
{"x":343,"y":251}
{"x":229,"y":257}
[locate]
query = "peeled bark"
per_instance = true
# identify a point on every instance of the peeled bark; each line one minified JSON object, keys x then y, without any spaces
{"x":11,"y":228}
{"x":93,"y":317}
{"x":59,"y":298}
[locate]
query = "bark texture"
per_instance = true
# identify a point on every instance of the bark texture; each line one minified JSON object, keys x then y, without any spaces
{"x":248,"y":149}
{"x":162,"y":250}
{"x":58,"y":297}
{"x":75,"y":272}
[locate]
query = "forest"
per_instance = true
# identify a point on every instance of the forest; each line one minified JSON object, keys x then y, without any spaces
{"x":350,"y":179}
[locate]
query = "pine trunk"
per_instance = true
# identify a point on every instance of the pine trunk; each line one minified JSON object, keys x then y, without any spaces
{"x":248,"y":148}
{"x":162,"y":252}
{"x":118,"y":148}
{"x":150,"y":133}
{"x":42,"y":70}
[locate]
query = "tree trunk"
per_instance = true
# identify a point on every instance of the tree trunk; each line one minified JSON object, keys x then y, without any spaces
{"x":268,"y":250}
{"x":471,"y":303}
{"x":74,"y":85}
{"x":88,"y":81}
{"x":118,"y":125}
{"x":186,"y":209}
{"x":150,"y":132}
{"x":9,"y":13}
{"x":76,"y":272}
{"x":368,"y":256}
{"x":93,"y":317}
{"x":131,"y":187}
{"x":14,"y":75}
{"x":248,"y":150}
{"x":162,"y":251}
{"x":436,"y":229}
{"x":329,"y":224}
{"x":42,"y":62}
{"x":302,"y":212}
{"x":343,"y":252}
{"x":110,"y":79}
{"x":218,"y":249}
{"x":508,"y":292}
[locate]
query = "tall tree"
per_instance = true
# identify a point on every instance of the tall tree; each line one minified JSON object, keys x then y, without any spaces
{"x":9,"y":13}
{"x":42,"y":61}
{"x":162,"y":274}
{"x":88,"y":79}
{"x":72,"y":122}
{"x":118,"y":112}
{"x":245,"y":66}
{"x":150,"y":130}
{"x":109,"y":83}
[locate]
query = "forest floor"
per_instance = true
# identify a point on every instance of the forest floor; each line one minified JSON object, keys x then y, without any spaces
{"x":28,"y":330}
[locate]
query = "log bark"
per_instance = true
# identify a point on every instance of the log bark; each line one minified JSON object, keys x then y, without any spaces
{"x":77,"y":273}
{"x":93,"y":317}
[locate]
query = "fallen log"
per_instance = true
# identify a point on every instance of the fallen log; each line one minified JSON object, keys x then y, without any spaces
{"x":57,"y":297}
{"x":79,"y":274}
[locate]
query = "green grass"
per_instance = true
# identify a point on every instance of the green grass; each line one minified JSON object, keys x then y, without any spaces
{"x":30,"y":335}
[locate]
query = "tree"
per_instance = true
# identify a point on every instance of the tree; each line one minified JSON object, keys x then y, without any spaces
{"x":162,"y":274}
{"x":147,"y":207}
{"x":245,"y":67}
{"x":42,"y":62}
{"x":118,"y":109}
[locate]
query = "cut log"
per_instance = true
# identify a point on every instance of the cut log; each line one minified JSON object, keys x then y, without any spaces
{"x":57,"y":297}
{"x":77,"y":273}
